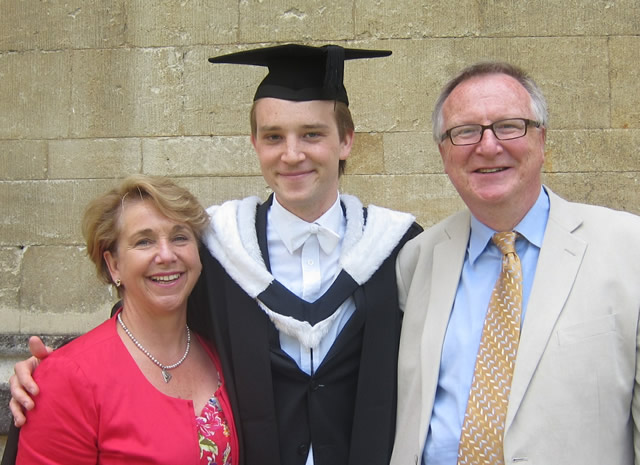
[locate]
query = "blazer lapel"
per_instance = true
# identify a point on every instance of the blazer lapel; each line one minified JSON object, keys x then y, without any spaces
{"x":558,"y":265}
{"x":444,"y":275}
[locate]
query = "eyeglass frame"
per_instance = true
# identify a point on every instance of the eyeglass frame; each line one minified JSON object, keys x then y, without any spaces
{"x":528,"y":122}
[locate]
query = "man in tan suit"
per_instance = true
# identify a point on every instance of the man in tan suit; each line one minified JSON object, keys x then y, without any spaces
{"x":572,"y":395}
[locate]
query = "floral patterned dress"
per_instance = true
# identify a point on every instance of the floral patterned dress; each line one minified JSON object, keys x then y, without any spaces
{"x":214,"y":436}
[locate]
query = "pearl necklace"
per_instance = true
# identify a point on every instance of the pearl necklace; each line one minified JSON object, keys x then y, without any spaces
{"x":165,"y":373}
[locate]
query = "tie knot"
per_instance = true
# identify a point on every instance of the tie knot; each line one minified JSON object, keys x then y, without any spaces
{"x":505,"y":241}
{"x":326,"y":237}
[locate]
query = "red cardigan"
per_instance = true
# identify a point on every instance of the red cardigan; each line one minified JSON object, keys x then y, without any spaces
{"x":96,"y":407}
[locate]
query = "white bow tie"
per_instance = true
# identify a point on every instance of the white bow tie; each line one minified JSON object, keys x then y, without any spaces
{"x":328,"y":239}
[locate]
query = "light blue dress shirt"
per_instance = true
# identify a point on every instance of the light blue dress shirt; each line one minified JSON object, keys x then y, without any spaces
{"x":480,"y":271}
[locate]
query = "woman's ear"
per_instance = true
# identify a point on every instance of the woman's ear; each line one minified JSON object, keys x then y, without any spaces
{"x":112,"y":263}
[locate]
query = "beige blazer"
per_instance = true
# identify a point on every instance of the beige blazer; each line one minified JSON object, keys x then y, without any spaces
{"x":574,"y":397}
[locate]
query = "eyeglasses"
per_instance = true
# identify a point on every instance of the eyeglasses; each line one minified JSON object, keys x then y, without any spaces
{"x":506,"y":129}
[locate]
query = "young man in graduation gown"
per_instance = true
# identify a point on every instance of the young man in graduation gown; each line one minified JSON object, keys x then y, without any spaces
{"x":302,"y":287}
{"x":299,"y":292}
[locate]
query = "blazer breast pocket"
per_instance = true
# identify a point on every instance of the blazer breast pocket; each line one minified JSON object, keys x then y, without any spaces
{"x":587,"y":330}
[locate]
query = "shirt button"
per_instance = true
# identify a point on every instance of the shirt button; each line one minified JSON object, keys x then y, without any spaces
{"x":309,"y":262}
{"x":315,"y":386}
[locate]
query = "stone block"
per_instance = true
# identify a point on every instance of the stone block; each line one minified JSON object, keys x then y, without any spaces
{"x":129,"y":92}
{"x":200,"y":156}
{"x":537,"y":18}
{"x":168,"y":23}
{"x":61,"y":25}
{"x":295,"y":21}
{"x":367,"y":155}
{"x":72,"y":321}
{"x":390,"y":93}
{"x":60,"y":292}
{"x":408,"y":82}
{"x":411,"y":153}
{"x":595,"y":151}
{"x":550,"y":18}
{"x":406,"y":19}
{"x":620,"y":191}
{"x":10,"y":313}
{"x":34,"y":95}
{"x":214,"y":190}
{"x":94,"y":158}
{"x":45,"y":212}
{"x":218,"y":97}
{"x":23,"y":159}
{"x":625,"y":87}
{"x":10,"y":269}
{"x":59,"y":274}
{"x":430,"y":197}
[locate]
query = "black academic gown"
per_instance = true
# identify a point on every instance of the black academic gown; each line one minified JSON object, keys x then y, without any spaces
{"x":346,"y":409}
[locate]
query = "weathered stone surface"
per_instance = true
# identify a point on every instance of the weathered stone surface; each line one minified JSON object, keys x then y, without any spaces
{"x":405,"y":20}
{"x":10,"y":270}
{"x":218,"y":97}
{"x":94,"y":158}
{"x":53,"y":25}
{"x":551,"y":18}
{"x":620,"y":191}
{"x":59,"y":279}
{"x":598,"y":150}
{"x":535,"y":18}
{"x":625,"y":86}
{"x":22,"y":159}
{"x":45,"y":212}
{"x":295,"y":21}
{"x":35,"y":95}
{"x":215,"y":190}
{"x":367,"y":155}
{"x":411,"y":153}
{"x":167,"y":22}
{"x":409,"y":81}
{"x":200,"y":156}
{"x":430,"y":197}
{"x":126,"y":92}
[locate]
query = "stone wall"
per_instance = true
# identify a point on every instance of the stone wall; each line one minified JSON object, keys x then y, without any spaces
{"x":92,"y":90}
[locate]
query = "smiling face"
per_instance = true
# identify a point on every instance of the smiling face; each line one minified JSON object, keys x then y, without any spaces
{"x":299,"y":150}
{"x":156,"y":259}
{"x":498,"y":180}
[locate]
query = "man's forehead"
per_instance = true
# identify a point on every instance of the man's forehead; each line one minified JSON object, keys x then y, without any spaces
{"x":487,"y":92}
{"x":309,"y":112}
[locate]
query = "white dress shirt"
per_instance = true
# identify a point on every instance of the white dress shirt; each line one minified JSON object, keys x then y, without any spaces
{"x":308,"y":270}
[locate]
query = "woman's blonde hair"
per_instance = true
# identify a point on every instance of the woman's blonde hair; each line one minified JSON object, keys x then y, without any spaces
{"x":101,"y":221}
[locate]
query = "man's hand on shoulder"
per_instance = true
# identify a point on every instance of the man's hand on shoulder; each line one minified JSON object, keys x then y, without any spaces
{"x":22,"y":385}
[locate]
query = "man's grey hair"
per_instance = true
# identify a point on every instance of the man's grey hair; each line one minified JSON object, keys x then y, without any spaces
{"x":538,"y":102}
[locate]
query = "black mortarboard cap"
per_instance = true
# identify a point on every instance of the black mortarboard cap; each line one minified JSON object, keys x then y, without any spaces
{"x":301,"y":72}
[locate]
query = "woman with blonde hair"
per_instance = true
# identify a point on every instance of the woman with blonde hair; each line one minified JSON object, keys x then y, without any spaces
{"x":141,"y":388}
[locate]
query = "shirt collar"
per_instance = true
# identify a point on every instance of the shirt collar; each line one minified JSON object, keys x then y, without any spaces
{"x":290,"y":228}
{"x":531,"y":227}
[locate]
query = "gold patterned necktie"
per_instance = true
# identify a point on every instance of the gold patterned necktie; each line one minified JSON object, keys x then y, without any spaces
{"x":483,"y":427}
